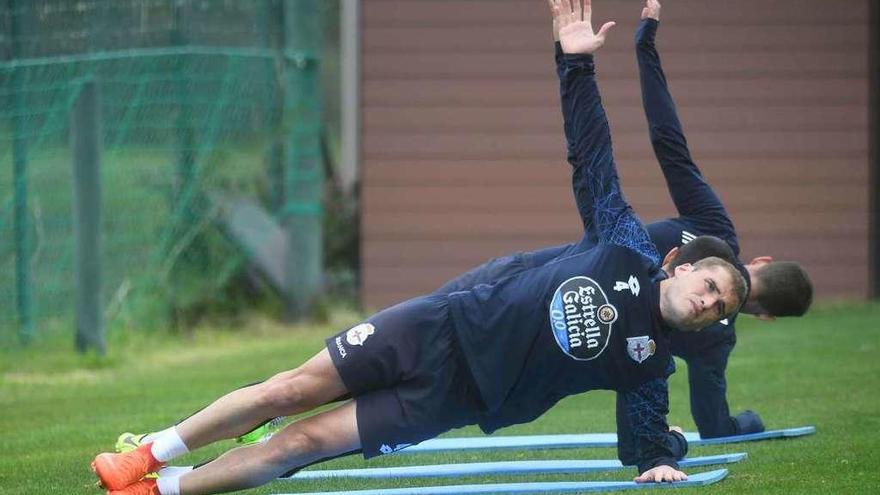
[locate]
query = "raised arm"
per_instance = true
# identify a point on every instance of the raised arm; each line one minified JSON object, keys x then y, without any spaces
{"x":581,"y":192}
{"x":597,"y":189}
{"x":693,"y":196}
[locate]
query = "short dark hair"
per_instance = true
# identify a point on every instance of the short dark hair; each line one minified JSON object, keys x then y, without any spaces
{"x":785,"y":288}
{"x":704,"y":246}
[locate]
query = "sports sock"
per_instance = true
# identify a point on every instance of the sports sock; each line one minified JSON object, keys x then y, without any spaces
{"x":151,"y":437}
{"x":174,"y":471}
{"x":169,"y":486}
{"x":168,"y":446}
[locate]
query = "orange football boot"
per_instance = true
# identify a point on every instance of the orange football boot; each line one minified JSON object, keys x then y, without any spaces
{"x":143,"y":487}
{"x":117,"y":471}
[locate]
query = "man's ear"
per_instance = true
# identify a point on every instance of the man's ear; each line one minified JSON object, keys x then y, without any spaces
{"x":761,"y":260}
{"x":670,"y":256}
{"x":682,"y":269}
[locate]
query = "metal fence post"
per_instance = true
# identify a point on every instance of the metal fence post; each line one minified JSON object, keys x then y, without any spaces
{"x":302,"y":212}
{"x":85,"y":143}
{"x":273,"y":38}
{"x":21,"y":215}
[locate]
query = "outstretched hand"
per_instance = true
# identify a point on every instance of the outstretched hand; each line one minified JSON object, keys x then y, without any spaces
{"x":572,"y":20}
{"x":659,"y":474}
{"x":652,"y":10}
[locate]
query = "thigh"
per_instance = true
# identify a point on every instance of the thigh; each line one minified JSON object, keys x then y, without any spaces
{"x":316,"y":382}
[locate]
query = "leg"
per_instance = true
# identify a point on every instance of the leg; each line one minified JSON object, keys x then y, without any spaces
{"x":313,"y":384}
{"x":292,"y":392}
{"x":327,"y":434}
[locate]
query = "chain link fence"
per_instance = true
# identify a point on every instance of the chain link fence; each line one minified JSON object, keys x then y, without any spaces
{"x":196,"y":99}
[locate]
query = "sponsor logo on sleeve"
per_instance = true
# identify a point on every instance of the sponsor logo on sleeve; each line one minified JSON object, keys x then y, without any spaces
{"x":640,"y":348}
{"x":359,"y":334}
{"x":581,"y":318}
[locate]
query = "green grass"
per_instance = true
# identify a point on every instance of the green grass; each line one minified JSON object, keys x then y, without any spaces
{"x":60,"y":409}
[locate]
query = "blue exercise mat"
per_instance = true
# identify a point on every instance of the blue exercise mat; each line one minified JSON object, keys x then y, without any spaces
{"x":698,"y":479}
{"x":500,"y":468}
{"x":582,"y":440}
{"x":694,"y":438}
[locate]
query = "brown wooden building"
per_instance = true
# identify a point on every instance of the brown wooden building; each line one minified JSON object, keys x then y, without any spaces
{"x":462,"y":151}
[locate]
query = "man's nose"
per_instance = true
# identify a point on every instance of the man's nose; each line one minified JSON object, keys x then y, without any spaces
{"x":709,"y":300}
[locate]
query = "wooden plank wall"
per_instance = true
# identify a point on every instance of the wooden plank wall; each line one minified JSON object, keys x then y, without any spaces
{"x":463,"y":153}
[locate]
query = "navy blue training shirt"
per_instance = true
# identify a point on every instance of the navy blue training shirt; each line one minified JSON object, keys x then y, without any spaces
{"x":583,"y":321}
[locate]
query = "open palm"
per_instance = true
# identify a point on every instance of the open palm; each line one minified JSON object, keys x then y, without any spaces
{"x":574,"y":18}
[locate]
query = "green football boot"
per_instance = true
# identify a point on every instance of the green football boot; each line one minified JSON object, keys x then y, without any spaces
{"x":129,"y":441}
{"x":262,"y":433}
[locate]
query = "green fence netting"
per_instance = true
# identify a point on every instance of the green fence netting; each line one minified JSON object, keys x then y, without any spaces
{"x":192,"y":102}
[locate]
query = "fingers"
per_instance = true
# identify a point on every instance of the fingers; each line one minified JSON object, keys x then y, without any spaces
{"x":565,"y":7}
{"x":652,"y":9}
{"x":554,"y":11}
{"x":660,"y":474}
{"x":604,"y":30}
{"x":579,"y":10}
{"x":562,"y":12}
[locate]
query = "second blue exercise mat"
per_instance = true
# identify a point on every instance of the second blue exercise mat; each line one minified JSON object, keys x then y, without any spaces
{"x":583,"y":440}
{"x":698,"y":479}
{"x":500,"y":468}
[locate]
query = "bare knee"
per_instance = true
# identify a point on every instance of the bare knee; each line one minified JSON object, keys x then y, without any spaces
{"x":295,"y":446}
{"x":283,"y":394}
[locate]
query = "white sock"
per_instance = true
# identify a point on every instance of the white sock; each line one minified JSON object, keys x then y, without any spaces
{"x":174,"y":471}
{"x":168,"y":446}
{"x":169,"y":486}
{"x":151,"y":437}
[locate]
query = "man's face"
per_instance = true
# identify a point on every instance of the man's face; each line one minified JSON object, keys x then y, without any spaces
{"x":695,"y":298}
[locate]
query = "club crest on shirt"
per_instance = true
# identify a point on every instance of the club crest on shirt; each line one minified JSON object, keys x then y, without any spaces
{"x":640,"y":348}
{"x":581,"y":318}
{"x":358,"y":335}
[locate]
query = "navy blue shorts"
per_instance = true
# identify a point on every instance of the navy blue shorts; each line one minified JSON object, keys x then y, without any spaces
{"x":404,"y":369}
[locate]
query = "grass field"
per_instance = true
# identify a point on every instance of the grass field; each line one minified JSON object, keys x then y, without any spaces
{"x":57,"y":410}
